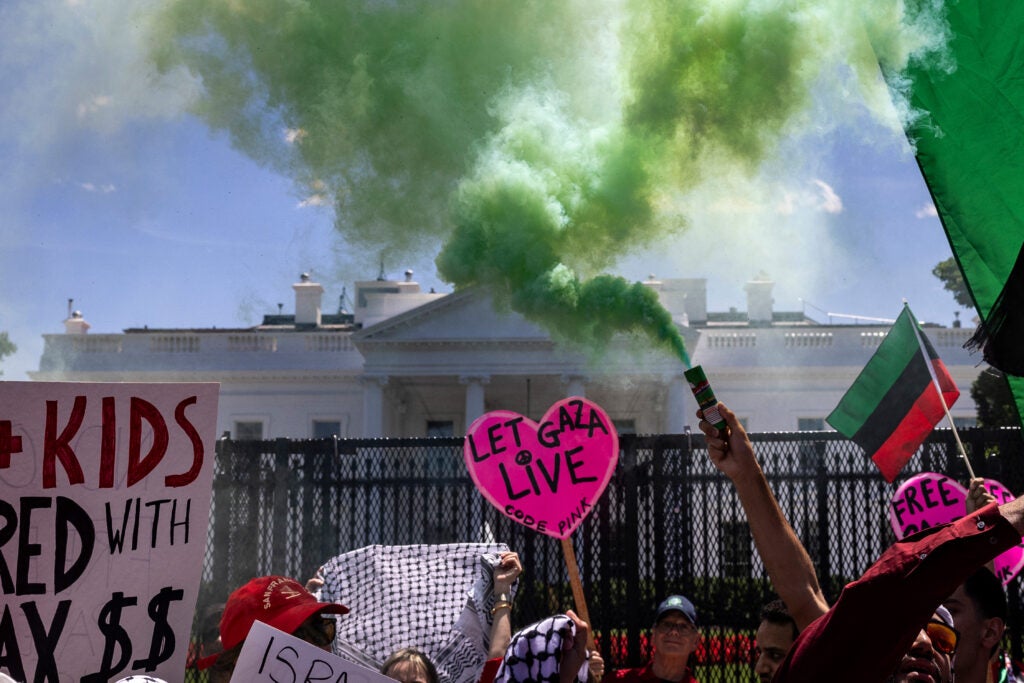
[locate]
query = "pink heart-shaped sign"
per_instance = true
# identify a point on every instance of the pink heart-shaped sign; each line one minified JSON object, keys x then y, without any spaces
{"x":928,"y":499}
{"x":546,"y":476}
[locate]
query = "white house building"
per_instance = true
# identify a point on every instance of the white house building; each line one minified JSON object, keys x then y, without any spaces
{"x":409,"y":363}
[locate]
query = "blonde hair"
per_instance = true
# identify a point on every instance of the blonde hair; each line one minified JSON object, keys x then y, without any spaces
{"x":411,"y":654}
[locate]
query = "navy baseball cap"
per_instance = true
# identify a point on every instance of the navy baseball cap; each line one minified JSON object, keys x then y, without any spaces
{"x":677,"y":603}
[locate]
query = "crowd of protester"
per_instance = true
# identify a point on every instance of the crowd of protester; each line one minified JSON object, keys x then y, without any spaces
{"x":930,"y":609}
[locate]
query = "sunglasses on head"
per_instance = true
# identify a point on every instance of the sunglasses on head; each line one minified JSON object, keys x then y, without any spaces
{"x":944,"y":637}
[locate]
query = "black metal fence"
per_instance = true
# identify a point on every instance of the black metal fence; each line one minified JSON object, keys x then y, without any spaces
{"x":667,"y":523}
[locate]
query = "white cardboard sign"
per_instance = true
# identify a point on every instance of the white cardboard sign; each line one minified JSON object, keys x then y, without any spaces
{"x":104,"y":505}
{"x":273,"y":656}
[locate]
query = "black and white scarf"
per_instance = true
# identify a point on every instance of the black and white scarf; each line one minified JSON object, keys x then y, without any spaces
{"x":435,"y":598}
{"x":536,"y":651}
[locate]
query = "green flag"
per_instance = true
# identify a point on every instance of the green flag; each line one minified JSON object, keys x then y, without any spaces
{"x":970,"y":148}
{"x":894,"y":403}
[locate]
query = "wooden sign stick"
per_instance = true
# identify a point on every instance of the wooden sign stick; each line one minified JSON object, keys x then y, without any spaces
{"x":577,"y":588}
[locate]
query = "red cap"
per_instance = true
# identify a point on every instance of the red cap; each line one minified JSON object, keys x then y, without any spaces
{"x":276,"y":601}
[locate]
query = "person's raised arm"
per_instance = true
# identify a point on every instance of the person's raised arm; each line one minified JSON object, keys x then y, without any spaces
{"x":505,"y":574}
{"x":786,"y":560}
{"x":1013,"y":512}
{"x":978,"y":497}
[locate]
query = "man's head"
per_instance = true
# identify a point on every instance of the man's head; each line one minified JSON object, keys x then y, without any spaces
{"x":675,"y":633}
{"x":775,"y":635}
{"x":978,"y":607}
{"x":930,"y":657}
{"x":277,"y":601}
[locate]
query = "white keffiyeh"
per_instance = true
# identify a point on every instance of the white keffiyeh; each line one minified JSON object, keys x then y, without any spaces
{"x":435,"y":598}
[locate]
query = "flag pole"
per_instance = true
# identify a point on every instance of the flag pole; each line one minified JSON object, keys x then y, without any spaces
{"x":956,"y":435}
{"x":938,"y":388}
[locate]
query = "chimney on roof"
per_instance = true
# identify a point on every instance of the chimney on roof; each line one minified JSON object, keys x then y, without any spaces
{"x":307,"y":302}
{"x":75,"y":323}
{"x":685,"y":298}
{"x":759,"y":299}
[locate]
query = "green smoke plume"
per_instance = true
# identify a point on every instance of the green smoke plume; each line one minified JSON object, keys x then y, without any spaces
{"x":386,"y":102}
{"x":536,"y":141}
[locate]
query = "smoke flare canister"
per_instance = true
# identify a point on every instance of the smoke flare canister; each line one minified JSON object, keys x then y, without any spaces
{"x":706,"y":400}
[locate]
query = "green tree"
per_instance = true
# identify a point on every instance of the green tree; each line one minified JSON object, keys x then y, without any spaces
{"x":991,"y":391}
{"x":7,"y":347}
{"x":994,"y":399}
{"x":953,"y":281}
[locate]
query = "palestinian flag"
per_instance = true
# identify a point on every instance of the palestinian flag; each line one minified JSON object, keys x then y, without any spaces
{"x":894,"y":403}
{"x":970,"y":148}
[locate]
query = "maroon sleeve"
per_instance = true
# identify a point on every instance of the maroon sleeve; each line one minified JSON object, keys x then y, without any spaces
{"x":883,"y":611}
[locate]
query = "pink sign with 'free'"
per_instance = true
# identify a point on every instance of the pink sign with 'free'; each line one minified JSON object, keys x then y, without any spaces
{"x":929,"y":499}
{"x":548,"y":475}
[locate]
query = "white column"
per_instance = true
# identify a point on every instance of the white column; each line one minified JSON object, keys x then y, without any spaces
{"x":474,"y":396}
{"x":373,"y":406}
{"x":676,"y":406}
{"x":575,"y":385}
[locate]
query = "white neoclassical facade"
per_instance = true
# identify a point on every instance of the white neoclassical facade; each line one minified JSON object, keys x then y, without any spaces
{"x":409,"y":363}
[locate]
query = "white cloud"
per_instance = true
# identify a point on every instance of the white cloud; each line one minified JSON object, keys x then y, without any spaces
{"x":830,"y":202}
{"x":825,"y":199}
{"x":93,"y":105}
{"x":105,"y":188}
{"x":179,"y":236}
{"x":927,"y":211}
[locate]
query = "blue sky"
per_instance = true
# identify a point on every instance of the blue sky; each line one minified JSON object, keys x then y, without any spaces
{"x":113,"y":196}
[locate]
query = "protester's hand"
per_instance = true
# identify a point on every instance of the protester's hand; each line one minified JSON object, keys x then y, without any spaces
{"x":977,"y":495}
{"x":506,"y":572}
{"x":596,"y":665}
{"x":574,"y":652}
{"x":731,"y":452}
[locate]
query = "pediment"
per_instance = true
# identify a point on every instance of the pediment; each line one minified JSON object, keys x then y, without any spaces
{"x":466,"y":316}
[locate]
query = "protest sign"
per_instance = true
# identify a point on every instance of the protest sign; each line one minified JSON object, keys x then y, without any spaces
{"x":273,"y":656}
{"x":546,"y":476}
{"x":928,"y":499}
{"x":103,"y":515}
